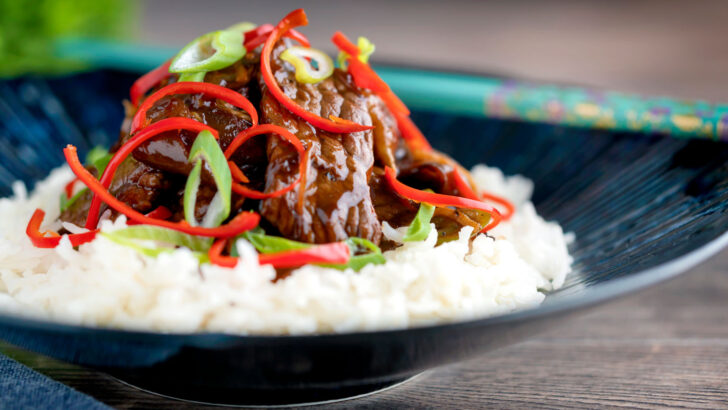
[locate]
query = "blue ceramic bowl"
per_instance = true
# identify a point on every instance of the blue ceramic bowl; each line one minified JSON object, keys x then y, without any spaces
{"x":644,"y":208}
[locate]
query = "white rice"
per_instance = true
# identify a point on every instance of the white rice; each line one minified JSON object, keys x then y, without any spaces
{"x":106,"y":284}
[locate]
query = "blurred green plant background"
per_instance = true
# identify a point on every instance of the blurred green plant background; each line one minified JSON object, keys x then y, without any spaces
{"x":30,"y":28}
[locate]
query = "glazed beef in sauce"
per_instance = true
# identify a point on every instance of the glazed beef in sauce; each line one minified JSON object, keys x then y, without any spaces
{"x":135,"y":183}
{"x":345,"y":192}
{"x":337,"y":203}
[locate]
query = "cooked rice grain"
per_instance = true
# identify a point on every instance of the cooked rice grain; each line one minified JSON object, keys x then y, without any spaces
{"x":106,"y":284}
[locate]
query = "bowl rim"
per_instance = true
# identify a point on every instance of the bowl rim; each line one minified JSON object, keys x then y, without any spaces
{"x":592,"y":296}
{"x":133,"y":57}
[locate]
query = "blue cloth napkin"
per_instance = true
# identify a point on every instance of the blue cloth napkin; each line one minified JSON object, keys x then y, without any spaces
{"x":23,"y":388}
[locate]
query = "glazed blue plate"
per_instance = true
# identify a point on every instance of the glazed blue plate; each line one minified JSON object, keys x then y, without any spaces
{"x":643,"y":207}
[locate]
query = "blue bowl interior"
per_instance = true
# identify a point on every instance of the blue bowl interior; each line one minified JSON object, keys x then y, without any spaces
{"x":634,"y":201}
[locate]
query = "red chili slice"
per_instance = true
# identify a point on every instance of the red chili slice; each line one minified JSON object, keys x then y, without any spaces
{"x":294,"y":19}
{"x":39,"y":239}
{"x":68,"y":189}
{"x":344,"y":44}
{"x":244,"y":221}
{"x":441,"y":199}
{"x":160,"y":212}
{"x":237,"y":173}
{"x":336,"y":253}
{"x":217,"y":258}
{"x":411,"y":134}
{"x":394,"y":104}
{"x":365,"y":77}
{"x":467,"y":191}
{"x":140,"y":121}
{"x":167,"y":124}
{"x":147,"y":81}
{"x":267,"y":129}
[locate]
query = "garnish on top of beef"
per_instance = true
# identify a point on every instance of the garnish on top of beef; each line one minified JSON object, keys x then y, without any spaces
{"x":364,"y":161}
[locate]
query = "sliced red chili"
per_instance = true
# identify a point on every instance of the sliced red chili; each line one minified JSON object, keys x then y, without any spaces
{"x":411,"y":134}
{"x":394,"y":104}
{"x":344,"y":44}
{"x":160,"y":212}
{"x":39,"y":239}
{"x":68,"y":189}
{"x":216,"y":256}
{"x":237,"y":173}
{"x":294,"y":19}
{"x":167,"y":124}
{"x":242,"y":222}
{"x":441,"y":199}
{"x":266,"y":129}
{"x":467,"y":191}
{"x":139,"y":121}
{"x":336,"y":253}
{"x":365,"y":77}
{"x":147,"y":81}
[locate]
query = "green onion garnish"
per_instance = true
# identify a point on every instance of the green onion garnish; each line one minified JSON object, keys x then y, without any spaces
{"x":130,"y":236}
{"x":366,"y":48}
{"x":205,"y":148}
{"x":273,"y":244}
{"x":99,"y":158}
{"x":420,"y":226}
{"x":209,"y":52}
{"x":303,"y":60}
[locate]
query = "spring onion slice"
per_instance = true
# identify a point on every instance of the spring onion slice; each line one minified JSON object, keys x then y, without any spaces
{"x":99,"y":158}
{"x":366,"y":49}
{"x":160,"y":234}
{"x":242,"y":27}
{"x":420,"y":226}
{"x":146,"y":250}
{"x":196,"y":77}
{"x":205,"y":148}
{"x":302,"y":59}
{"x":271,"y":244}
{"x":209,"y":52}
{"x":356,"y":262}
{"x":67,"y":202}
{"x":190,"y":195}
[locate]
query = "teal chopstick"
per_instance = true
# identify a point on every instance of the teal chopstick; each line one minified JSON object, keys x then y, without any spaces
{"x":471,"y":95}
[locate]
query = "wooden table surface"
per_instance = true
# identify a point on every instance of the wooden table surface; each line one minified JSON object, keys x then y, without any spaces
{"x":665,"y":346}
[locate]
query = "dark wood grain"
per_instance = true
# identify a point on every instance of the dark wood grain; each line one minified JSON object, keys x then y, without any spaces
{"x":666,"y":346}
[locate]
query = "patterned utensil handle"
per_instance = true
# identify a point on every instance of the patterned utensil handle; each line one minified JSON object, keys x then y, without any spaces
{"x":563,"y":105}
{"x":477,"y":96}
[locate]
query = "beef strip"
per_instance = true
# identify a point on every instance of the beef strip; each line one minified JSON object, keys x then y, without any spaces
{"x":169,"y":151}
{"x":149,"y":178}
{"x":336,"y":201}
{"x":138,"y":185}
{"x":345,"y":192}
{"x":427,"y":170}
{"x":77,"y":211}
